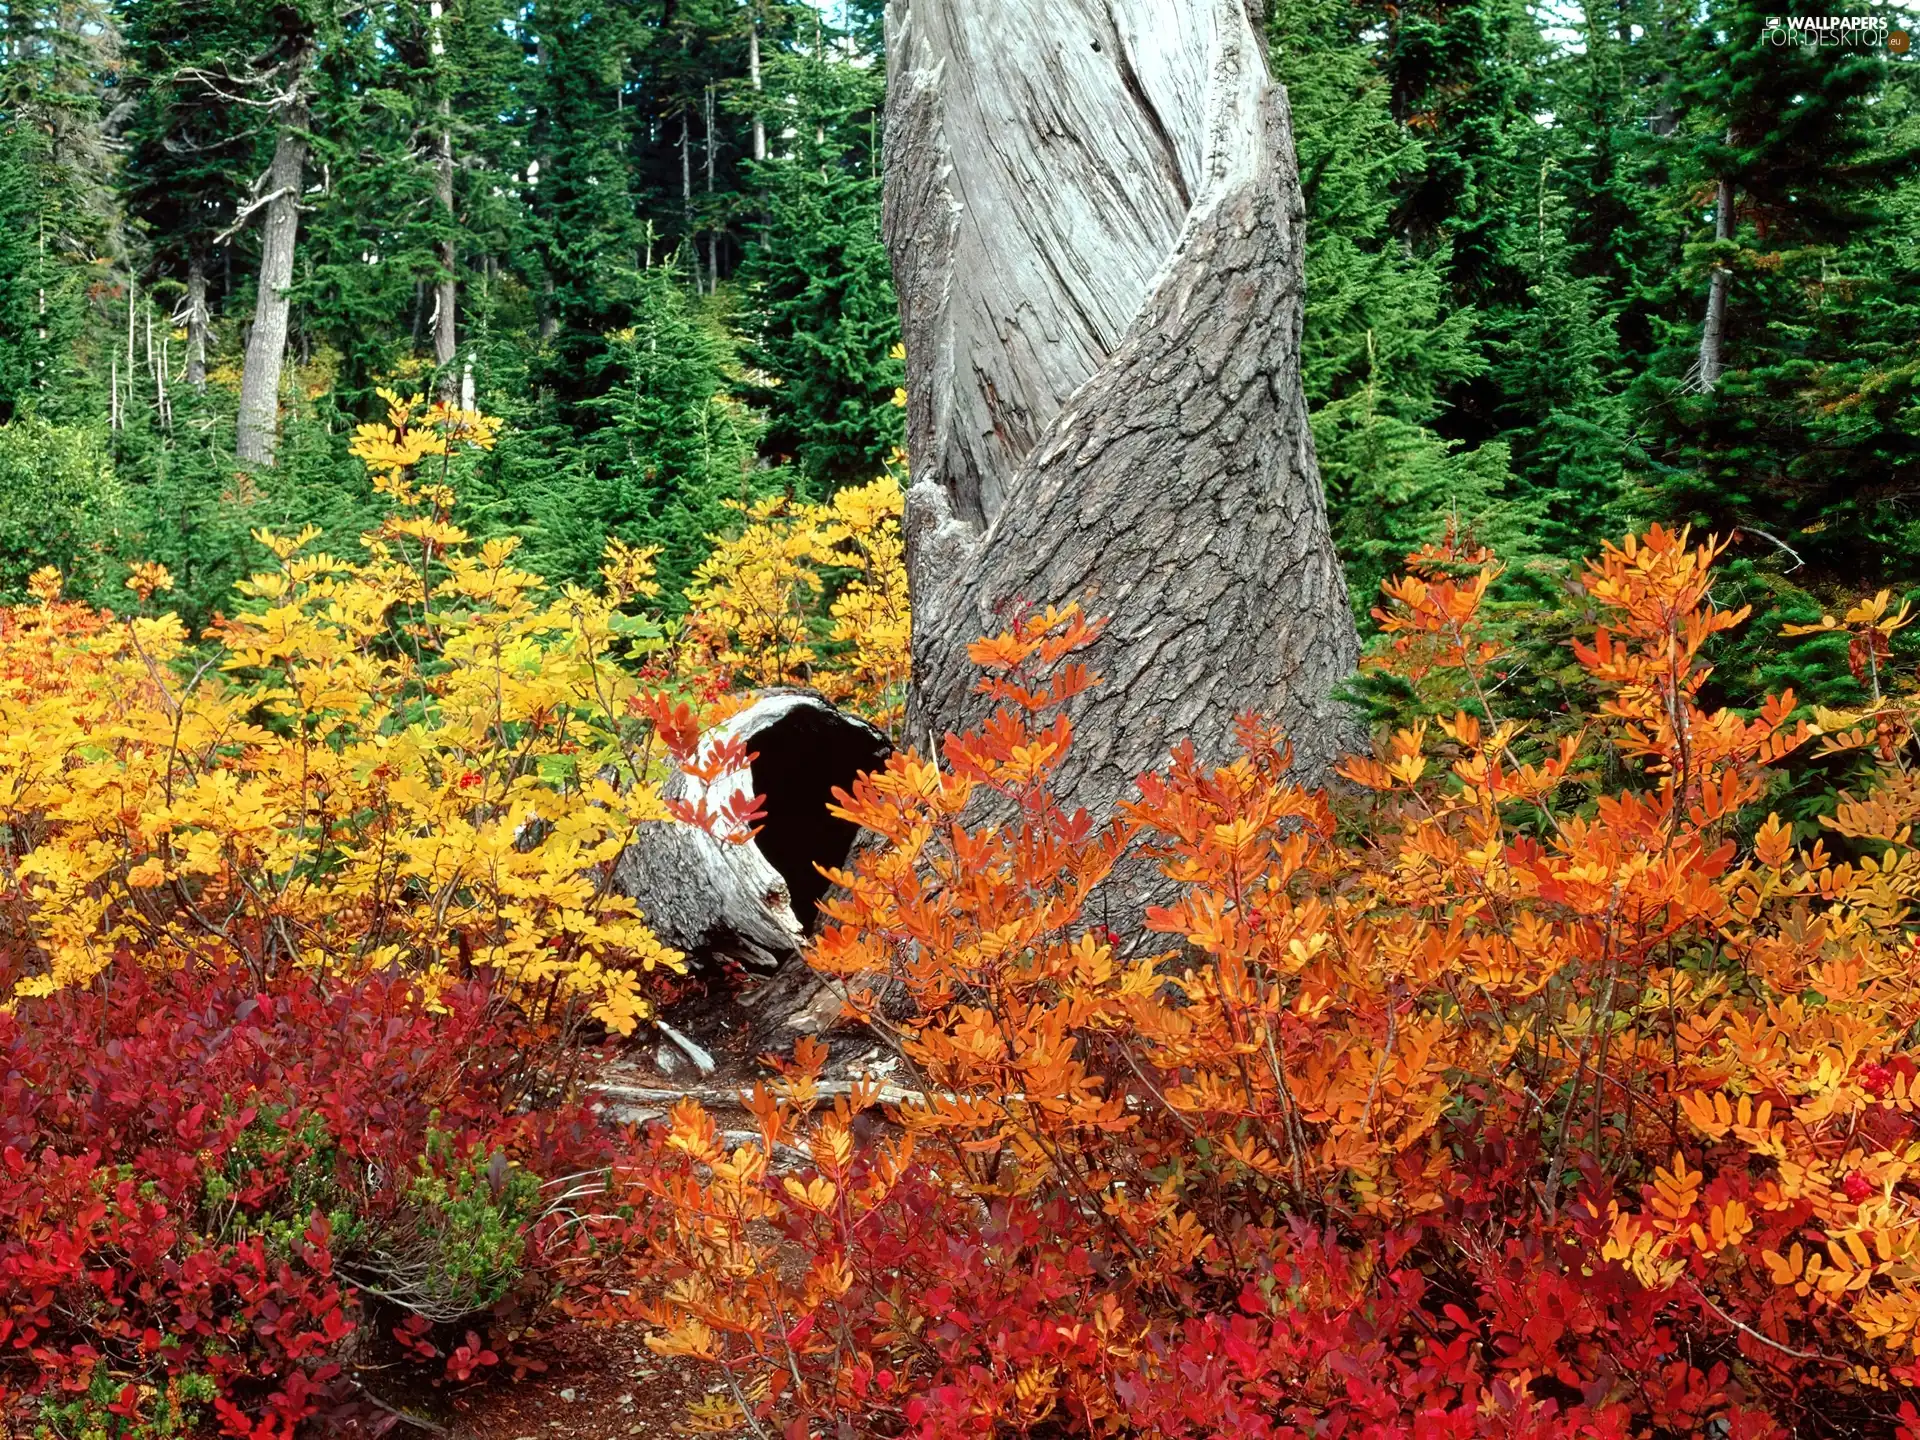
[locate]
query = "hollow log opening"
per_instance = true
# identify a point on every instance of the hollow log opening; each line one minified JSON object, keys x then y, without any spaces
{"x":709,"y":894}
{"x":801,"y":755}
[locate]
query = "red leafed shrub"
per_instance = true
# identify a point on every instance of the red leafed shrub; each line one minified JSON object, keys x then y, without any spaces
{"x":209,"y":1190}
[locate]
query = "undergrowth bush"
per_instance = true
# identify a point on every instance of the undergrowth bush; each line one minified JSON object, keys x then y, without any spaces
{"x":304,"y":924}
{"x":1547,"y":1086}
{"x":212,"y":1193}
{"x":1543,"y":1082}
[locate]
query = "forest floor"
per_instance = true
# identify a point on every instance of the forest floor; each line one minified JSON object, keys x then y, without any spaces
{"x":600,"y":1385}
{"x":606,"y":1384}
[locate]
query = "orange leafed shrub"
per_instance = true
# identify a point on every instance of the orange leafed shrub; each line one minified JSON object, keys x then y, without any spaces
{"x":1528,"y":1089}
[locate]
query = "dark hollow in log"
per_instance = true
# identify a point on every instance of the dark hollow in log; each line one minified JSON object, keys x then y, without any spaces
{"x":801,"y":756}
{"x":753,"y":901}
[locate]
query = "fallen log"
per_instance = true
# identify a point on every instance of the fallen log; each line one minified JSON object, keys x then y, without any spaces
{"x":753,"y":898}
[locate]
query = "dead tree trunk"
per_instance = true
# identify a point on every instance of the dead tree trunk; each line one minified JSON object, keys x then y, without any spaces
{"x":198,"y":322}
{"x":754,"y":79}
{"x":446,"y":293}
{"x":267,"y":340}
{"x":1713,"y":328}
{"x":1096,"y":227}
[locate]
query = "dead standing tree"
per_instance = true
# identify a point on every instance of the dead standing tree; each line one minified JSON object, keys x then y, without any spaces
{"x":275,"y":87}
{"x":1096,"y":227}
{"x":259,"y":423}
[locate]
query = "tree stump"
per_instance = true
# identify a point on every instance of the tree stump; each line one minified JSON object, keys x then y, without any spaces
{"x":1097,"y":231}
{"x":720,"y":896}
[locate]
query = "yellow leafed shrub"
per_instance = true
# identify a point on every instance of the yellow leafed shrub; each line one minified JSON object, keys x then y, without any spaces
{"x":756,"y":602}
{"x":417,"y":757}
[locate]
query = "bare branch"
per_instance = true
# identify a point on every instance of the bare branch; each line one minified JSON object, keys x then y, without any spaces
{"x":246,"y":213}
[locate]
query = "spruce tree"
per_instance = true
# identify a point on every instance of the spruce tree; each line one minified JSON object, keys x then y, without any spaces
{"x":670,"y":443}
{"x":1775,"y":402}
{"x":822,"y":315}
{"x":1384,"y":343}
{"x":586,"y":234}
{"x":190,"y":152}
{"x":41,"y":305}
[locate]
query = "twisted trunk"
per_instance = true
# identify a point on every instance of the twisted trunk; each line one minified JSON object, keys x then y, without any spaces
{"x":1097,"y":232}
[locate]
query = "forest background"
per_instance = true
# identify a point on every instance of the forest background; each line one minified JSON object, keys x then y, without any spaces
{"x":325,"y":853}
{"x":646,"y":235}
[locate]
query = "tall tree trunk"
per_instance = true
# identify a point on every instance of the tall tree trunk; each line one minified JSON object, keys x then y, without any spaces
{"x":197,"y":324}
{"x":686,"y":194}
{"x":713,"y":232}
{"x":267,"y":340}
{"x":753,"y":78}
{"x":446,"y":289}
{"x":1097,"y":231}
{"x":1713,"y":329}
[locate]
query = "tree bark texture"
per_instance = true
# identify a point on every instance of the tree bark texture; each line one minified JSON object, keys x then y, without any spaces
{"x":198,"y":324}
{"x":1097,"y":232}
{"x":1713,"y":329}
{"x":267,"y":340}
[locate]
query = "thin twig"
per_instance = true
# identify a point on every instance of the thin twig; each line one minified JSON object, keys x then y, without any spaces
{"x":1775,"y":540}
{"x":1746,"y":1329}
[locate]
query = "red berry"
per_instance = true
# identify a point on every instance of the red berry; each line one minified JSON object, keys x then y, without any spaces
{"x":1875,"y":1079}
{"x":1858,"y":1187}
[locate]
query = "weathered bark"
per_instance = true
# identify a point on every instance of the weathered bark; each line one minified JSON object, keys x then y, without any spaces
{"x":754,"y":901}
{"x":1713,"y":328}
{"x":198,"y":322}
{"x":1096,"y":228}
{"x":267,"y":340}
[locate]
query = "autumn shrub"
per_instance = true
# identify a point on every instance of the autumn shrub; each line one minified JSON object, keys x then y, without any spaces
{"x":1541,"y":1086}
{"x":304,"y":922}
{"x":213,"y":1193}
{"x":810,"y":594}
{"x":421,"y":757}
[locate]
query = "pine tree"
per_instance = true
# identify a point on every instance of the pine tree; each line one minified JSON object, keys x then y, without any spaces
{"x":41,"y":313}
{"x":1611,"y":101}
{"x":189,"y":155}
{"x":669,"y":445}
{"x":1778,"y":400}
{"x":1562,"y":416}
{"x":56,"y":202}
{"x":1384,"y":342}
{"x":823,"y":318}
{"x":587,"y":235}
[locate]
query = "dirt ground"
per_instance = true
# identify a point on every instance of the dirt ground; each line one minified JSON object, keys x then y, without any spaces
{"x":601,"y":1385}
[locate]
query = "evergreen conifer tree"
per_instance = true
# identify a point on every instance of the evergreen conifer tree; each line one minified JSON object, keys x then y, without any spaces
{"x":1384,"y":343}
{"x":1777,"y":404}
{"x":821,"y":311}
